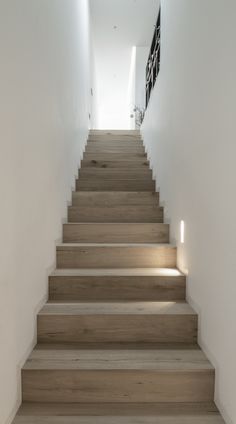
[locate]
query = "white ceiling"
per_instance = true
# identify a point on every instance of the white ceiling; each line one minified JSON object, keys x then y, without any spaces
{"x":129,"y":22}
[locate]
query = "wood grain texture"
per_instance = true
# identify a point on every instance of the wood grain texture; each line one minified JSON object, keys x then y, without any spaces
{"x":94,"y":162}
{"x":114,"y":142}
{"x":118,"y":376}
{"x":116,"y":256}
{"x":116,"y":214}
{"x":124,"y":413}
{"x":180,"y":410}
{"x":95,"y":148}
{"x":125,"y":184}
{"x":116,"y":287}
{"x":117,"y":322}
{"x":121,"y":157}
{"x":171,"y":359}
{"x":120,"y":420}
{"x":115,"y":233}
{"x":115,"y":173}
{"x":117,"y":386}
{"x":114,"y":198}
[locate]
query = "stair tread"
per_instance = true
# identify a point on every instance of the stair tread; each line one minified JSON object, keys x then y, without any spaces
{"x":62,"y":246}
{"x":127,"y":224}
{"x":166,"y":272}
{"x":168,"y":419}
{"x":117,"y":193}
{"x":122,"y":409}
{"x":82,"y":359}
{"x":117,"y":308}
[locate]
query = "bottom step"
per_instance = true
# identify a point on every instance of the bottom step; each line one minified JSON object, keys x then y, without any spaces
{"x":157,"y":413}
{"x":70,"y":375}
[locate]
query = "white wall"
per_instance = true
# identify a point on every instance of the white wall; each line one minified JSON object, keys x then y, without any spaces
{"x":190,"y":134}
{"x":44,"y":106}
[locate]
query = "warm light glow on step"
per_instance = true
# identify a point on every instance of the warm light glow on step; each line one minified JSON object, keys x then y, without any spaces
{"x":168,"y":272}
{"x":182,"y":232}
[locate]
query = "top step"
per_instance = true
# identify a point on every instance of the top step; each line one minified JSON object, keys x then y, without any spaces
{"x":118,"y":135}
{"x":115,"y":132}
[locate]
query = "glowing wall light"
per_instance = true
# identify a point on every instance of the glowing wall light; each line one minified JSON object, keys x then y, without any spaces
{"x":182,"y":231}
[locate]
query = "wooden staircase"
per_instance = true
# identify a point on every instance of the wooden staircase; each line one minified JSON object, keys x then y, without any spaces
{"x":117,"y":342}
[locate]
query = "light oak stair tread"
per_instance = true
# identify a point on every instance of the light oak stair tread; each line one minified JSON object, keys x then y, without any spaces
{"x":114,"y":224}
{"x":98,"y":346}
{"x":157,"y":360}
{"x":163,"y":272}
{"x":117,"y":308}
{"x":121,"y":409}
{"x":119,"y":420}
{"x":64,"y":246}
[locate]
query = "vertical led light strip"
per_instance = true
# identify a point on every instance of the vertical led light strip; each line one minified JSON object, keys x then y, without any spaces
{"x":182,"y":232}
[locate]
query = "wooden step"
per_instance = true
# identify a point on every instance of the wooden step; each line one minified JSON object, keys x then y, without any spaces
{"x":110,"y":132}
{"x":115,"y":198}
{"x":113,"y":173}
{"x":115,"y":233}
{"x":119,"y":214}
{"x":95,"y":255}
{"x":117,"y":284}
{"x":57,"y":375}
{"x":125,"y":184}
{"x":119,"y":135}
{"x":119,"y":413}
{"x":95,"y":148}
{"x":136,"y":158}
{"x":183,"y":419}
{"x":114,"y":142}
{"x":94,"y":162}
{"x":147,"y":322}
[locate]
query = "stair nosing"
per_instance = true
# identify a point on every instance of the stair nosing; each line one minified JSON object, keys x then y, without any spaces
{"x":113,"y":272}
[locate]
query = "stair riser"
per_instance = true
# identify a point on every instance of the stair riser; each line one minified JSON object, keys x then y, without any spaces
{"x":116,"y":215}
{"x":116,"y":233}
{"x":115,"y":143}
{"x":101,"y":148}
{"x":115,"y":257}
{"x":122,"y":157}
{"x":115,"y":137}
{"x":130,"y":151}
{"x":111,"y":132}
{"x":94,"y":162}
{"x":117,"y":386}
{"x":111,"y":199}
{"x":117,"y":288}
{"x":103,"y":173}
{"x":118,"y":137}
{"x":117,"y":328}
{"x":115,"y":185}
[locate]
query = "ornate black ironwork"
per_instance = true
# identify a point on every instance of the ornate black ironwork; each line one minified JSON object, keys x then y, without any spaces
{"x":153,"y":63}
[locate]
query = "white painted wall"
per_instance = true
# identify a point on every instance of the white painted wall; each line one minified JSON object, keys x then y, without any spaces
{"x":190,"y":135}
{"x":44,"y":106}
